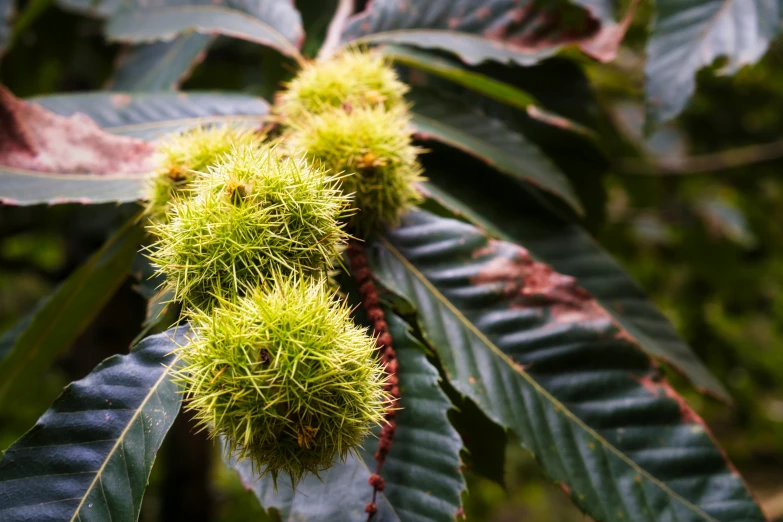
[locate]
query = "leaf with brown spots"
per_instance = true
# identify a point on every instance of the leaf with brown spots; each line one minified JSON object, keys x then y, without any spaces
{"x":90,"y":455}
{"x":35,"y":171}
{"x":40,"y":143}
{"x":509,"y":31}
{"x":506,"y":212}
{"x":551,"y":364}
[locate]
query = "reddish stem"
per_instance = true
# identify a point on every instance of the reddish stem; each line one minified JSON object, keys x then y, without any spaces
{"x":369,"y":295}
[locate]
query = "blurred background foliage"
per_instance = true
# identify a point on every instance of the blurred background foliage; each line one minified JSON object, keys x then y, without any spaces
{"x":694,"y":211}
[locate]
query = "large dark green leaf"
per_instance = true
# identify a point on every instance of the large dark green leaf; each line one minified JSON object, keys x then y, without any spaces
{"x":561,"y":129}
{"x":159,"y":66}
{"x":572,"y":251}
{"x":690,"y":34}
{"x":90,"y":455}
{"x":480,"y":82}
{"x":339,"y":496}
{"x":541,"y":357}
{"x":139,"y":115}
{"x":275,"y":23}
{"x":522,"y":32}
{"x":28,"y":349}
{"x":490,"y":140}
{"x":570,"y":97}
{"x":422,"y":471}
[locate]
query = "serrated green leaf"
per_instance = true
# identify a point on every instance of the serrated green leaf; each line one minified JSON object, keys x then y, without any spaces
{"x":159,"y":66}
{"x":145,"y":116}
{"x":490,"y":140}
{"x":339,"y":496}
{"x":422,"y":471}
{"x":691,"y":34}
{"x":55,"y":323}
{"x":541,"y":357}
{"x":508,"y":31}
{"x":275,"y":23}
{"x":89,"y":456}
{"x":571,"y":250}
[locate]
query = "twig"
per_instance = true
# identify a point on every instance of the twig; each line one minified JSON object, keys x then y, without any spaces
{"x":336,"y":26}
{"x":703,"y":163}
{"x":388,"y":356}
{"x":773,"y":506}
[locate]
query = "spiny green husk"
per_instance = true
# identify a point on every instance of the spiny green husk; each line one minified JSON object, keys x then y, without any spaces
{"x":349,"y":79}
{"x":373,"y":146}
{"x":284,"y":376}
{"x":252,"y":214}
{"x":189,"y":152}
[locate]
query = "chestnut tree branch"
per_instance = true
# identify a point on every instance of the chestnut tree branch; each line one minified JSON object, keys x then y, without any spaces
{"x":703,"y":163}
{"x":336,"y":26}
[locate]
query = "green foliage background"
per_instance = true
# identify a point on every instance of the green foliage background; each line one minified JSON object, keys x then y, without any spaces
{"x":707,"y":247}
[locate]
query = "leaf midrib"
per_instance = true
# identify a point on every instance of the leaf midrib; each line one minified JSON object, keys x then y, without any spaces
{"x":99,"y":473}
{"x":543,"y":392}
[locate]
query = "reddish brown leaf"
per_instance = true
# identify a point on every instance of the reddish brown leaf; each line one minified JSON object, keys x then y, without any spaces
{"x":32,"y":138}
